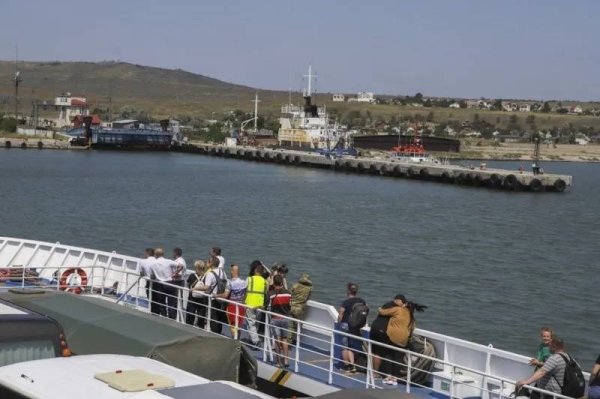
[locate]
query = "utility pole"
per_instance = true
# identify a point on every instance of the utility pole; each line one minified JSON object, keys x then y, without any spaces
{"x":18,"y":80}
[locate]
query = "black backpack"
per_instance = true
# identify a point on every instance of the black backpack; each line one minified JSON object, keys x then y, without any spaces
{"x":220,"y":285}
{"x":574,"y":384}
{"x":358,"y":315}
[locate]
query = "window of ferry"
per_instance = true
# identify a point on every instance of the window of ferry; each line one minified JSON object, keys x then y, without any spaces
{"x":22,"y":351}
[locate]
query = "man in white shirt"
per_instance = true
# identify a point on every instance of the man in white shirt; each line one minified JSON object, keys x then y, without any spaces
{"x":145,"y":270}
{"x":216,"y":251}
{"x":217,"y":315}
{"x":164,"y":272}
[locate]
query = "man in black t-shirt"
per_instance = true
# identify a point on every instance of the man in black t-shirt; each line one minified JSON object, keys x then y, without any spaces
{"x":349,"y":344}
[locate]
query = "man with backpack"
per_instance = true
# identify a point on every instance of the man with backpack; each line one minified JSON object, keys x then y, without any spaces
{"x":352,"y":317}
{"x":559,"y":374}
{"x":215,"y":285}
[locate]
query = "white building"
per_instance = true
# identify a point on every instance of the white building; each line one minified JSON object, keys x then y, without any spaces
{"x":454,"y":105}
{"x":365,"y":97}
{"x":70,"y":106}
{"x":524,"y":108}
{"x":339,"y":98}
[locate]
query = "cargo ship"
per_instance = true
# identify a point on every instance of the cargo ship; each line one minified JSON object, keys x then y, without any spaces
{"x":309,"y":126}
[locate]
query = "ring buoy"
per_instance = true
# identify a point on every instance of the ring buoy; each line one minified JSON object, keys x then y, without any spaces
{"x":66,"y":281}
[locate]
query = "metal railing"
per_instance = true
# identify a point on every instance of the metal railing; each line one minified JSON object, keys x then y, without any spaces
{"x":456,"y":378}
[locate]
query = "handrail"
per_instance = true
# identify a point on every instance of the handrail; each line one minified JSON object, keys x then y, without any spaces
{"x":326,"y":331}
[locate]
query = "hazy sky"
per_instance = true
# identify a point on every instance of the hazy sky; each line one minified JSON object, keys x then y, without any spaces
{"x":542,"y":49}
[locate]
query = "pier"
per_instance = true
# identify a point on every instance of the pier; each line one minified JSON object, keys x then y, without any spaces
{"x":510,"y":180}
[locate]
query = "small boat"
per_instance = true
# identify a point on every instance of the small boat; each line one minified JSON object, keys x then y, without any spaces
{"x":414,"y":152}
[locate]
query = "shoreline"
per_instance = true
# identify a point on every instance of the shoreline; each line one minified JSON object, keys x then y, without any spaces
{"x":577,"y":154}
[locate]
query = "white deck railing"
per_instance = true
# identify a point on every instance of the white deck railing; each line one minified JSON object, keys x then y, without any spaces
{"x":131,"y":291}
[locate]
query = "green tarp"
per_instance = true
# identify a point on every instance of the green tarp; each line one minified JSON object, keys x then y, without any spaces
{"x":97,"y":326}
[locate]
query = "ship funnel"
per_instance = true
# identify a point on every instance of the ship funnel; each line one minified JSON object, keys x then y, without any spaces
{"x":164,"y":124}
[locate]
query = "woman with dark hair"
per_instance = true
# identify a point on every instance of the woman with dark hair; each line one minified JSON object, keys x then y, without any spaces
{"x":399,"y":330}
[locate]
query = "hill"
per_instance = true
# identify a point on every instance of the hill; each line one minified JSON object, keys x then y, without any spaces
{"x":157,"y":90}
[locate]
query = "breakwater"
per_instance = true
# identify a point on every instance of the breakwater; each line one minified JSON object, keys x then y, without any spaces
{"x":449,"y":174}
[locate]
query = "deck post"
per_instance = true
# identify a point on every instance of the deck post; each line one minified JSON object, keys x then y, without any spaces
{"x":370,"y":379}
{"x":331,"y":358}
{"x":23,"y":277}
{"x":207,"y":324}
{"x":298,"y":322}
{"x":149,"y":295}
{"x":236,"y":322}
{"x":452,"y":382}
{"x":408,"y":372}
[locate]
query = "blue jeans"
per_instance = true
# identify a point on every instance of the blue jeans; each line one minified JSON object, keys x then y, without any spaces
{"x":594,"y":392}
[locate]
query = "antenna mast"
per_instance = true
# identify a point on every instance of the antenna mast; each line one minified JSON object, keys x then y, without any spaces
{"x":18,"y":80}
{"x":310,"y":76}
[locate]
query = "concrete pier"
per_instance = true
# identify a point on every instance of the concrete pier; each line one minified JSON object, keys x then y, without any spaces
{"x":511,"y":180}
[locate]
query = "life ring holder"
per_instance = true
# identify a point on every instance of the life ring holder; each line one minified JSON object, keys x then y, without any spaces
{"x":64,"y":282}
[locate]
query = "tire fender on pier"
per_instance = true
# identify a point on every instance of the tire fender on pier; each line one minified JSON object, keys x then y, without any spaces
{"x":461,"y":178}
{"x":289,"y":160}
{"x":511,"y":182}
{"x":40,"y":145}
{"x":384,"y":170}
{"x":536,"y":185}
{"x":347,"y":166}
{"x":23,"y":145}
{"x":227,"y":152}
{"x":397,"y":171}
{"x":279,"y":158}
{"x":424,"y":174}
{"x":374,"y":169}
{"x":361,"y":167}
{"x":298,"y":160}
{"x":560,"y":185}
{"x":445,"y":177}
{"x":495,"y":180}
{"x":8,"y":144}
{"x":411,"y":172}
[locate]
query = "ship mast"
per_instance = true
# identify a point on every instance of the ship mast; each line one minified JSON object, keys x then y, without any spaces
{"x":256,"y":101}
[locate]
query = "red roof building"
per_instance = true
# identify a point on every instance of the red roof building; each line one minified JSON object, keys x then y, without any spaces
{"x":78,"y":121}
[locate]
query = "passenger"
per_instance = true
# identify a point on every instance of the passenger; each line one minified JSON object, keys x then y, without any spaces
{"x":550,"y":373}
{"x":543,"y":352}
{"x":237,"y":292}
{"x":162,"y":270}
{"x":349,"y":345}
{"x":281,"y":269}
{"x":255,"y":301}
{"x":378,"y":333}
{"x":179,"y":268}
{"x":210,"y":286}
{"x":145,"y":270}
{"x":594,"y":386}
{"x":216,"y":251}
{"x":399,"y":330}
{"x":195,"y":306}
{"x":301,"y":292}
{"x":266,"y":274}
{"x":279,"y":305}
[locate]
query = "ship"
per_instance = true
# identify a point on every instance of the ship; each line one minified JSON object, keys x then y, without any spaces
{"x":136,"y":137}
{"x":438,"y":367}
{"x":308,"y":126}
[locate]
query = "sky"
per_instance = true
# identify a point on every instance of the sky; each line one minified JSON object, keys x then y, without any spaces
{"x":538,"y":49}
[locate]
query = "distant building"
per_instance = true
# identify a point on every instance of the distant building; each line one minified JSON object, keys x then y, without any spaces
{"x":524,"y":108}
{"x":339,"y":98}
{"x":576,"y":110}
{"x":454,"y":105}
{"x":365,"y":97}
{"x":70,"y":106}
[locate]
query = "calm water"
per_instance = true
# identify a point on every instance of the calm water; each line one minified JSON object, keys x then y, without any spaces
{"x":493,"y":267}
